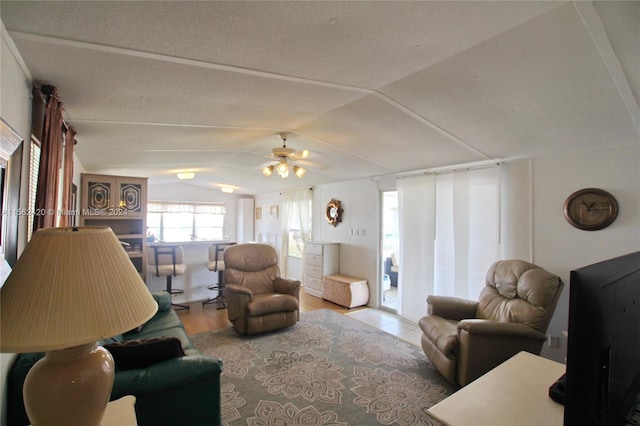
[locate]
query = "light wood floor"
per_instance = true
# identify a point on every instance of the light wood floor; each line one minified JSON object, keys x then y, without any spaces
{"x":201,"y":318}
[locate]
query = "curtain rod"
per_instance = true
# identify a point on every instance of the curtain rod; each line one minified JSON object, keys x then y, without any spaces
{"x":438,"y":171}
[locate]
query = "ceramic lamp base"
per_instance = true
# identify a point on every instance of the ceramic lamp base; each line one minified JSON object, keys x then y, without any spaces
{"x":69,"y":387}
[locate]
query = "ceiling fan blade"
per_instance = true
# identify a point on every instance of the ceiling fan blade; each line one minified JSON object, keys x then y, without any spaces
{"x":301,"y":155}
{"x":311,"y":164}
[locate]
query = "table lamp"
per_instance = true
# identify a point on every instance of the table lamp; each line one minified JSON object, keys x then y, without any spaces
{"x":68,"y":289}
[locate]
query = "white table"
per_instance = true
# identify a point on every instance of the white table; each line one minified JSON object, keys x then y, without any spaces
{"x":121,"y":412}
{"x":514,"y":393}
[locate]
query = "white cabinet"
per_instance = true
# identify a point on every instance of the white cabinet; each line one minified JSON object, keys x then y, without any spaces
{"x":320,"y":259}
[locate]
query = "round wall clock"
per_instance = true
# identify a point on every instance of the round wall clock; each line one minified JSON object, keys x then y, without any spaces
{"x":334,"y":212}
{"x":591,"y":209}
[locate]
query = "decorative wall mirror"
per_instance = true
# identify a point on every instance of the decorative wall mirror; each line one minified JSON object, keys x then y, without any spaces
{"x":334,"y":212}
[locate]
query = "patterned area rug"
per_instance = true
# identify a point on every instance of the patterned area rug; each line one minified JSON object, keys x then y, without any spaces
{"x":328,"y":369}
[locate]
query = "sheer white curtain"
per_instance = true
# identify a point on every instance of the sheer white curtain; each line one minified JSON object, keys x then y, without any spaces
{"x":450,"y":235}
{"x":295,"y":211}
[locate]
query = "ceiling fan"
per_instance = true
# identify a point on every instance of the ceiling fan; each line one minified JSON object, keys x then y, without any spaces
{"x":286,"y":158}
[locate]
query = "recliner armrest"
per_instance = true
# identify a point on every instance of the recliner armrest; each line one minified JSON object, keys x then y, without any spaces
{"x":238,"y":297}
{"x":452,"y":308}
{"x":286,"y":286}
{"x":485,"y":344}
{"x":238,"y":289}
{"x":506,"y":329}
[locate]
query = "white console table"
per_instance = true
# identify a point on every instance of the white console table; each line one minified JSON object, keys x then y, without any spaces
{"x":121,"y":412}
{"x":514,"y":393}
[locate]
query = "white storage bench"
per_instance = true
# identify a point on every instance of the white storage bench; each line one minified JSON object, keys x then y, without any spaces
{"x":345,"y":290}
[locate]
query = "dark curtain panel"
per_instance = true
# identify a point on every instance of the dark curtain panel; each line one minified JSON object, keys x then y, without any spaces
{"x":50,"y":161}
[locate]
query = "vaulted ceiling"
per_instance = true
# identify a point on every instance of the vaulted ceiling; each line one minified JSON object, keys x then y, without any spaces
{"x":369,"y":88}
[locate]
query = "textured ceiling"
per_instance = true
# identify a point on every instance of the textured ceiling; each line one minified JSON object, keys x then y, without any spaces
{"x":369,"y":88}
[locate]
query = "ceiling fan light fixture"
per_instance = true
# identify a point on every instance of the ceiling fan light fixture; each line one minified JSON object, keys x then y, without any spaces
{"x":285,"y":157}
{"x":299,"y":171}
{"x":283,"y":170}
{"x":268,"y":170}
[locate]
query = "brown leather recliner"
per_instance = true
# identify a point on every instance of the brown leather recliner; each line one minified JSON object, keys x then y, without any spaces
{"x":258,"y":299}
{"x":465,"y":339}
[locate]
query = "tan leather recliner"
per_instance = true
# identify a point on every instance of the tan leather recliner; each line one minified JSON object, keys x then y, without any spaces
{"x":258,"y":299}
{"x":465,"y":339}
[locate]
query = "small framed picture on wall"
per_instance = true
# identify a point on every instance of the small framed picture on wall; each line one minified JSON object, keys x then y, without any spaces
{"x":258,"y":213}
{"x":273,"y":211}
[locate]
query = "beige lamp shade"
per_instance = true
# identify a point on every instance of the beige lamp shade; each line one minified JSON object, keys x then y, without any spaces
{"x":71,"y":286}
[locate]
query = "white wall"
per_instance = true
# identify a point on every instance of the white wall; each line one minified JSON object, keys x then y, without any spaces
{"x":245,"y":220}
{"x":358,"y":253}
{"x":267,"y":228}
{"x":538,"y":232}
{"x":558,"y":246}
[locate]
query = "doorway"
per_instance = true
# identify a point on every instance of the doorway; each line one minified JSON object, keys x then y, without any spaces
{"x":390,"y":252}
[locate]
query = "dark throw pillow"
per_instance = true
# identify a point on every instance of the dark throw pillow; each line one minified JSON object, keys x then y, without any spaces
{"x":144,"y":352}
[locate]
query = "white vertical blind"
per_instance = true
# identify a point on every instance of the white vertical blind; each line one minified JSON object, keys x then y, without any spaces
{"x":416,"y":201}
{"x":450,"y":235}
{"x":467,"y":230}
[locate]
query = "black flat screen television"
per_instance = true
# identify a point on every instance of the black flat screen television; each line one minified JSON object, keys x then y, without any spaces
{"x":603,"y":351}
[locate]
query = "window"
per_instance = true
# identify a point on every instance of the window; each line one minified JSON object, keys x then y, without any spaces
{"x":296,"y":244}
{"x":171,"y":222}
{"x":296,"y":221}
{"x":34,"y":167}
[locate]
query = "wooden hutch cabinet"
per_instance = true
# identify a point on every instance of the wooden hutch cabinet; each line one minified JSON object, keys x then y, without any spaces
{"x":120,"y":203}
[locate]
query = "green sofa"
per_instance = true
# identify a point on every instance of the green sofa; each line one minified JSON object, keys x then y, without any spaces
{"x":184,"y":390}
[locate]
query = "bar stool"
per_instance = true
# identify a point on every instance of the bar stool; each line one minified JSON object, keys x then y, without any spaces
{"x":216,"y":264}
{"x":168,"y":261}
